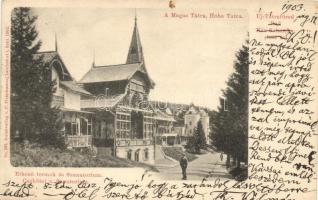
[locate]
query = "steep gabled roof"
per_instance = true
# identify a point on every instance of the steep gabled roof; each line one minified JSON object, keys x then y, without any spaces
{"x":110,"y":73}
{"x":50,"y":56}
{"x":71,"y":85}
{"x":134,"y":63}
{"x":135,"y":53}
{"x":67,"y":80}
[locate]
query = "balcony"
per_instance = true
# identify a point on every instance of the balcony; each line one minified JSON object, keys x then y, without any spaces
{"x":57,"y":101}
{"x":133,"y":142}
{"x":79,"y":141}
{"x":101,"y":101}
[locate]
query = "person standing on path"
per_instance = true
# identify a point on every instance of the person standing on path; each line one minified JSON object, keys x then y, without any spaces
{"x":184,"y":165}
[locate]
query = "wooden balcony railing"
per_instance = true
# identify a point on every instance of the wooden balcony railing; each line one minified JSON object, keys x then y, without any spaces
{"x":79,"y":141}
{"x":133,"y":142}
{"x":98,"y":102}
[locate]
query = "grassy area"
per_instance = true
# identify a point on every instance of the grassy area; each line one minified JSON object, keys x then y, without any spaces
{"x":177,"y":152}
{"x":33,"y":155}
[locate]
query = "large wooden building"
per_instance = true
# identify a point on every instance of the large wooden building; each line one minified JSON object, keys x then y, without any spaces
{"x":124,"y":119}
{"x":77,"y":122}
{"x":109,"y":107}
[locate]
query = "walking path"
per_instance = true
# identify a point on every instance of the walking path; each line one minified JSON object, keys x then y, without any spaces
{"x":206,"y":165}
{"x":161,"y":160}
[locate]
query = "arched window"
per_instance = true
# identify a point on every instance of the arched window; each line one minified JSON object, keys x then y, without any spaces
{"x":137,"y":155}
{"x":55,"y":77}
{"x":146,"y":154}
{"x":129,"y":154}
{"x":57,"y":66}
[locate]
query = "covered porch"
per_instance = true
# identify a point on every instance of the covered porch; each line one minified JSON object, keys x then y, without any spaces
{"x":78,"y":128}
{"x":168,"y":139}
{"x":122,"y":127}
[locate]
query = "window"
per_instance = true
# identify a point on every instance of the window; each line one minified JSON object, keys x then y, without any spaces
{"x":146,"y":151}
{"x":123,"y":125}
{"x":137,"y":155}
{"x":74,"y":126}
{"x":138,"y":87}
{"x":55,"y":79}
{"x":68,"y":127}
{"x":99,"y":129}
{"x":129,"y":155}
{"x":106,"y":92}
{"x":78,"y":122}
{"x":89,"y":126}
{"x":148,"y":126}
{"x":84,"y":126}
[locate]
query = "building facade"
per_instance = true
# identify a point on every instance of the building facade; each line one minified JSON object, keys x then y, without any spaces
{"x":164,"y":128}
{"x":124,"y":120}
{"x":77,"y":123}
{"x":191,"y":119}
{"x":109,"y":108}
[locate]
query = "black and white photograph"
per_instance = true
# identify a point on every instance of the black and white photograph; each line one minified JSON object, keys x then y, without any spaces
{"x":165,"y":90}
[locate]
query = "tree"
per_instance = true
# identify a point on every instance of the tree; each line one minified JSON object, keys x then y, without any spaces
{"x":230,"y":128}
{"x":198,"y":141}
{"x":212,"y":134}
{"x":31,"y":86}
{"x":199,"y":136}
{"x":23,"y":46}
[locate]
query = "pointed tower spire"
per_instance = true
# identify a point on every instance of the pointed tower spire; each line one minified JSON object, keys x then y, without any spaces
{"x":135,"y":16}
{"x":56,"y":43}
{"x":135,"y":54}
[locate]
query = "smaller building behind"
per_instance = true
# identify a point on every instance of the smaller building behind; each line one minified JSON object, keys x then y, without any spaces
{"x":191,"y":119}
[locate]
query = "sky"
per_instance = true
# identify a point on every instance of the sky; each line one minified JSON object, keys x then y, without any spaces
{"x":188,"y":58}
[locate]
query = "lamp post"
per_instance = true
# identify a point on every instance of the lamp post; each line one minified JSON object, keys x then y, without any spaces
{"x":154,"y":138}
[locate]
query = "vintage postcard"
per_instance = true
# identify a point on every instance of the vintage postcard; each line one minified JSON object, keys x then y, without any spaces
{"x":159,"y":100}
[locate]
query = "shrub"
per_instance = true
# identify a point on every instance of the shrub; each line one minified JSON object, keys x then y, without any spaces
{"x":35,"y":155}
{"x":177,"y":152}
{"x":239,"y":174}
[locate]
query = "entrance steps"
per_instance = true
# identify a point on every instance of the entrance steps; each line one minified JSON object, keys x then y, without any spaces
{"x":161,"y":160}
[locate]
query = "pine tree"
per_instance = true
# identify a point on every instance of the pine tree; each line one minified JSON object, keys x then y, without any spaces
{"x":199,"y":140}
{"x":24,"y":71}
{"x":218,"y":132}
{"x":231,"y":125}
{"x":31,"y":87}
